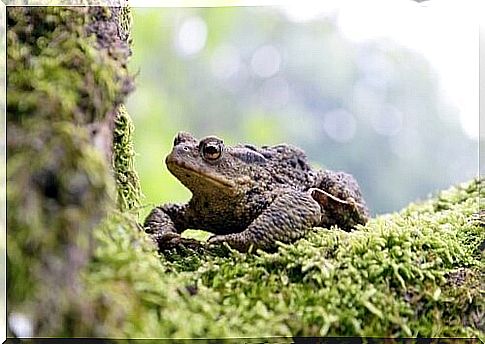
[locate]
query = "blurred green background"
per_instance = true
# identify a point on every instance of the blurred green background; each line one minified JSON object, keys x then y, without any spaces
{"x":257,"y":75}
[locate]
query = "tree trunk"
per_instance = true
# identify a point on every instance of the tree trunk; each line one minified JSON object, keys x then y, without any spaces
{"x":70,"y":157}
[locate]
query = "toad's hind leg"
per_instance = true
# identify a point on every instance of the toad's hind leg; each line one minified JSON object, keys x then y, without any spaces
{"x":287,"y":219}
{"x":341,"y":200}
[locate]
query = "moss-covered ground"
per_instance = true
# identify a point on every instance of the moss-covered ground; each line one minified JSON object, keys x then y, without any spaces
{"x":419,"y":272}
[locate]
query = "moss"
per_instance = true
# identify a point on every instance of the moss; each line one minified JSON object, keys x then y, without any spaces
{"x":418,"y":272}
{"x":133,"y":293}
{"x":128,"y":183}
{"x":55,"y":70}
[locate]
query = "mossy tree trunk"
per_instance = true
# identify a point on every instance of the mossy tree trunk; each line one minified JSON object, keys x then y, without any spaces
{"x":69,"y":154}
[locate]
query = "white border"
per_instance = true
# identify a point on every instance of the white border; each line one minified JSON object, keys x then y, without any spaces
{"x":3,"y":174}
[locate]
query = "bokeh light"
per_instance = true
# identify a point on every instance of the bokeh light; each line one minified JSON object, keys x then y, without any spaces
{"x":339,"y":125}
{"x":265,"y":61}
{"x":191,"y":36}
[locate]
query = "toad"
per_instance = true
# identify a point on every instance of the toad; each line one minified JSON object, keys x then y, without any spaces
{"x":252,"y":196}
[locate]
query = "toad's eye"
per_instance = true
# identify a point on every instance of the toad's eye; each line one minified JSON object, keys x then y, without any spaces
{"x":212,"y":151}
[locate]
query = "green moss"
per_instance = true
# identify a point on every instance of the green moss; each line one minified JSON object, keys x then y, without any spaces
{"x":418,"y":272}
{"x":55,"y":70}
{"x":133,"y":293}
{"x":128,"y":183}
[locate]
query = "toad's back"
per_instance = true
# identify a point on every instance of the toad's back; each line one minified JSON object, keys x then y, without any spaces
{"x":285,"y":166}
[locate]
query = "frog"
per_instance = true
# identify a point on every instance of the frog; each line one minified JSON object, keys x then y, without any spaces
{"x":252,"y":197}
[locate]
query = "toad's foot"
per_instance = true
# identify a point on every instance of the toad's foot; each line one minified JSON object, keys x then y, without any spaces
{"x":335,"y":211}
{"x":164,"y":225}
{"x":167,"y":241}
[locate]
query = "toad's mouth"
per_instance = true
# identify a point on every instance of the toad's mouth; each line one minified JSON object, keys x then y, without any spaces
{"x":183,"y":170}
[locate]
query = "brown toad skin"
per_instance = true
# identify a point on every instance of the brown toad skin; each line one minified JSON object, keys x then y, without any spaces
{"x":252,"y":196}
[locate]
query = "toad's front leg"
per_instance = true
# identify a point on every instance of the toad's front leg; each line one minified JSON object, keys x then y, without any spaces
{"x":288,"y":218}
{"x":165,"y":223}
